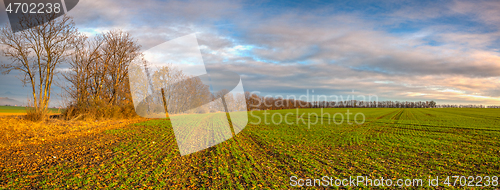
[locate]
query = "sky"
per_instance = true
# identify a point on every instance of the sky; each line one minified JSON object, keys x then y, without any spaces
{"x":446,"y":51}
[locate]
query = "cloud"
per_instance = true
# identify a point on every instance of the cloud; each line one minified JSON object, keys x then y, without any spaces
{"x":426,"y":50}
{"x":484,"y":11}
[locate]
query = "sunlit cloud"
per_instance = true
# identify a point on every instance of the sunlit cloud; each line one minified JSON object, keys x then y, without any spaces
{"x":420,"y":50}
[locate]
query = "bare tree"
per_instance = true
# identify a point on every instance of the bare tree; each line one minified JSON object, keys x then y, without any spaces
{"x":99,"y":70}
{"x":119,"y":50}
{"x":86,"y":53}
{"x":37,"y":51}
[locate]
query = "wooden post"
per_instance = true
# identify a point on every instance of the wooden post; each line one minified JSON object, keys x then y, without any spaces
{"x":164,"y":102}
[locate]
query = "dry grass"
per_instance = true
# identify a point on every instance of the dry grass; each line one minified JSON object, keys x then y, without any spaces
{"x":99,"y":112}
{"x":17,"y":131}
{"x":11,"y":114}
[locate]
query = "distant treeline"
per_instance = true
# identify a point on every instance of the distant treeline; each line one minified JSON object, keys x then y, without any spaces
{"x":256,"y":102}
{"x":460,"y":106}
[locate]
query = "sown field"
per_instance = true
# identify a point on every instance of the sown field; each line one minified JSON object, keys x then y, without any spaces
{"x":391,"y":143}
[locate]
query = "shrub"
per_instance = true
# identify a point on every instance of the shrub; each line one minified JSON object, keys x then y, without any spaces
{"x":36,"y":114}
{"x":99,"y":112}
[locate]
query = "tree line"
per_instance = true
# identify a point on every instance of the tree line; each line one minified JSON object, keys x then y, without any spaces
{"x":97,"y":78}
{"x":256,"y":102}
{"x":96,"y":70}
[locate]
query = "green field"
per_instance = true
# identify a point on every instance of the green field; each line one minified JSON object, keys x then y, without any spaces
{"x":18,"y":109}
{"x":392,"y":143}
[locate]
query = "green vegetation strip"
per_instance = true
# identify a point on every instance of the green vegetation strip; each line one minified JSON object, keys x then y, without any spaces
{"x":17,"y":109}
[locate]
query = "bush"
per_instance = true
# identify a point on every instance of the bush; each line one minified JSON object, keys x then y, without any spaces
{"x":36,"y":114}
{"x":74,"y":112}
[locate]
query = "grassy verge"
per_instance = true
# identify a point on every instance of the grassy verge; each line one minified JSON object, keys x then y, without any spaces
{"x":14,"y":110}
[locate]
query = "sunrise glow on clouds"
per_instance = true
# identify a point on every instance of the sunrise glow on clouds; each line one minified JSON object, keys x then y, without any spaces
{"x":447,"y":51}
